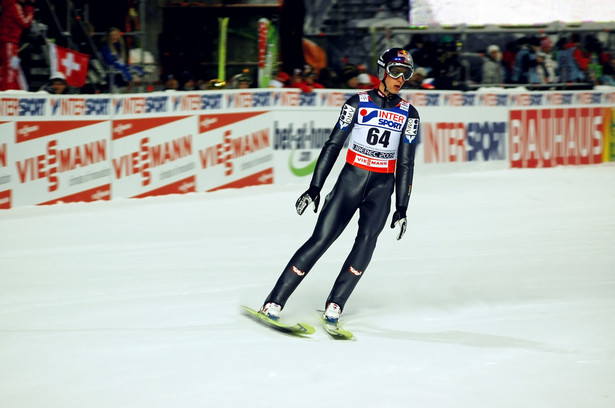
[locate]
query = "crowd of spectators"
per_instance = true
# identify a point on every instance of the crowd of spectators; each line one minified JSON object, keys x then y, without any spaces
{"x":440,"y":63}
{"x":531,"y":61}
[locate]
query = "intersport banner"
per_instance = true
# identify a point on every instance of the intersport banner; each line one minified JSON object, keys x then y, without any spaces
{"x":100,"y":147}
{"x":461,"y":131}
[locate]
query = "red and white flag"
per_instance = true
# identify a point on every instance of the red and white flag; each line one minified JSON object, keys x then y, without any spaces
{"x":73,"y":64}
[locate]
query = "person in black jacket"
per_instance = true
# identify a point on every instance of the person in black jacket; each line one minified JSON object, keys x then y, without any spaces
{"x":382,"y":130}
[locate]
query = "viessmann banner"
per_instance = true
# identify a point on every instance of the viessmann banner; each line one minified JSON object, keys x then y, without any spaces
{"x":101,"y":147}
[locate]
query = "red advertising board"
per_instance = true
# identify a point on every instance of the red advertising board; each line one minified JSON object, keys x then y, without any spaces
{"x":560,"y":136}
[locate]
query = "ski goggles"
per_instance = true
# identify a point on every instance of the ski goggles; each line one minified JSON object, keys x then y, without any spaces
{"x":397,"y":70}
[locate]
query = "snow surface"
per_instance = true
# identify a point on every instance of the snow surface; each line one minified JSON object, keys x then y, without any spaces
{"x":502,"y":294}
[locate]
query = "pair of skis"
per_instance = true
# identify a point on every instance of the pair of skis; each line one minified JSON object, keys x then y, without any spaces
{"x":299,"y":329}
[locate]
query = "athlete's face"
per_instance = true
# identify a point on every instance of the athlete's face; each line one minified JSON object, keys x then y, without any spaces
{"x":393,"y":85}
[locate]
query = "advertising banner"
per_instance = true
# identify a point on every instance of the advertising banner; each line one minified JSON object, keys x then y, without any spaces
{"x":609,"y":135}
{"x":297,"y":140}
{"x":464,"y":135}
{"x":153,"y":156}
{"x":98,"y":147}
{"x":61,"y":161}
{"x":7,"y":173}
{"x":234,"y":150}
{"x":560,"y":136}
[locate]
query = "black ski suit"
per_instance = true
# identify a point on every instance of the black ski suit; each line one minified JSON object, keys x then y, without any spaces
{"x":366,"y":183}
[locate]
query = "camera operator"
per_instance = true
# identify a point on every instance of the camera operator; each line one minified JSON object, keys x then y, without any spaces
{"x":16,"y":16}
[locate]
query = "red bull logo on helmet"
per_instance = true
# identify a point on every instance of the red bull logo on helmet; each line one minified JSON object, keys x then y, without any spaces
{"x":402,"y":56}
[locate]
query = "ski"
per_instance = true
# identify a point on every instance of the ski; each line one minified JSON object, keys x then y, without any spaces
{"x":298,"y":329}
{"x":336,"y":331}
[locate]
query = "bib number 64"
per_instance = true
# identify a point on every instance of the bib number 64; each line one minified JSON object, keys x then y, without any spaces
{"x":374,"y":137}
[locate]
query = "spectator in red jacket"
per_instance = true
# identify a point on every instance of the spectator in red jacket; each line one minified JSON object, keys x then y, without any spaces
{"x":305,"y":80}
{"x":16,"y":16}
{"x":573,"y":60}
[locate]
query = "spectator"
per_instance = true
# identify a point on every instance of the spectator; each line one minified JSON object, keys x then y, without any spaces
{"x":508,"y":60}
{"x":364,"y":81}
{"x":274,"y":83}
{"x":296,"y":81}
{"x":57,"y":85}
{"x":492,"y":71}
{"x":608,"y":72}
{"x":546,"y":45}
{"x":201,"y":84}
{"x":418,"y":80}
{"x":16,"y":16}
{"x":241,"y":80}
{"x":422,"y":52}
{"x":309,"y":78}
{"x":448,"y":72}
{"x":572,"y":60}
{"x":374,"y":80}
{"x":171,"y":83}
{"x":115,"y":54}
{"x":597,"y":58}
{"x":328,"y":78}
{"x":525,"y":69}
{"x":279,"y":81}
{"x":545,"y":69}
{"x":187,"y":82}
{"x":350,"y":77}
{"x":548,"y":66}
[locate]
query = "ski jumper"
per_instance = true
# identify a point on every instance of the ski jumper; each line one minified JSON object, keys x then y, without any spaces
{"x":382,"y":135}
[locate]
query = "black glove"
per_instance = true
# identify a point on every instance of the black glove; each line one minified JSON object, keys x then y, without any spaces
{"x":311,"y":195}
{"x":399,"y":218}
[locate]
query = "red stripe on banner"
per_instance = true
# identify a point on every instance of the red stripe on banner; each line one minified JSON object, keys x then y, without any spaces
{"x":26,"y":131}
{"x":5,"y":200}
{"x":211,"y":122}
{"x":187,"y":185}
{"x":126,"y":127}
{"x":262,"y":177}
{"x":94,"y":194}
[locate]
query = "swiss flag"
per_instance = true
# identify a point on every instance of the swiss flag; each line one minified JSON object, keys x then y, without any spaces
{"x":73,"y":64}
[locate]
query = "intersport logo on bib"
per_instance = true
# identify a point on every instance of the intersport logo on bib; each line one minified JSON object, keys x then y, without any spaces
{"x":381,"y":118}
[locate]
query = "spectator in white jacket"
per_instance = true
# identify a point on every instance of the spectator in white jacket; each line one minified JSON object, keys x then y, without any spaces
{"x":493,"y":71}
